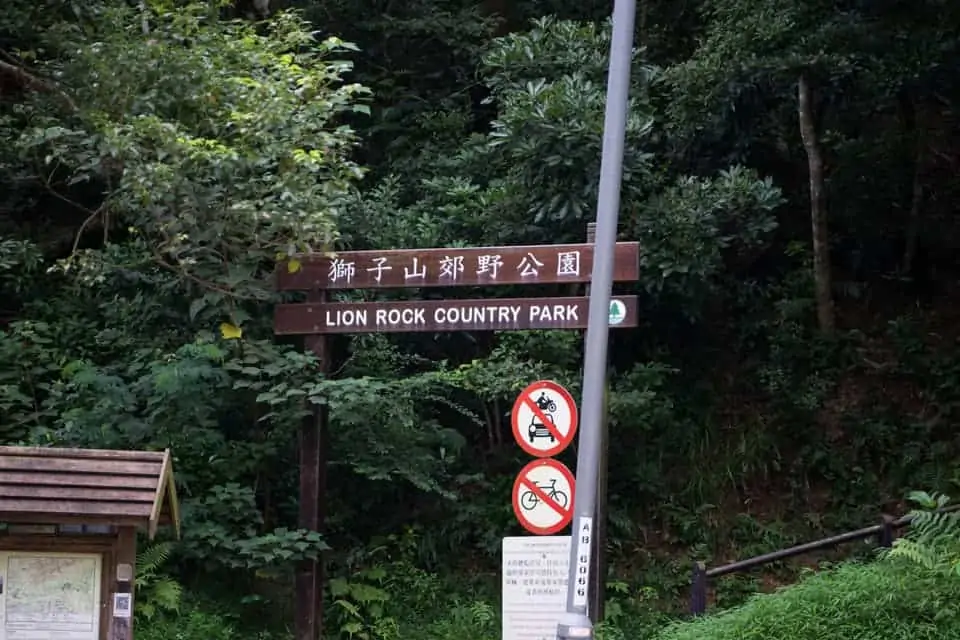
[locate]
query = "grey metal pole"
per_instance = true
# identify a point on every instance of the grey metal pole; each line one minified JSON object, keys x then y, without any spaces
{"x":598,"y":576}
{"x":576,"y":623}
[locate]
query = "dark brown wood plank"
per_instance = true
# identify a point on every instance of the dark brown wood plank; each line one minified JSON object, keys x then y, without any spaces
{"x":66,"y":518}
{"x":59,"y":543}
{"x":77,"y":480}
{"x":55,"y":465}
{"x":455,"y":267}
{"x":75,"y":507}
{"x":308,"y":583}
{"x":31,"y":529}
{"x":107,"y":575}
{"x":120,"y":627}
{"x":165,"y":497}
{"x":503,"y":314}
{"x":306,"y":580}
{"x":87,"y":494}
{"x":108,"y":454}
{"x":321,"y":574}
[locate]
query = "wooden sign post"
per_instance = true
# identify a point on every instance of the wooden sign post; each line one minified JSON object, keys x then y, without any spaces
{"x":318,"y":318}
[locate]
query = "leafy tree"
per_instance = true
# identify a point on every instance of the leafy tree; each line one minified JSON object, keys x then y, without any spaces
{"x":738,"y":80}
{"x":213,"y":151}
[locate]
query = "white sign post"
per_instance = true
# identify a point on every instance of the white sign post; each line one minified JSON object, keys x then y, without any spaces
{"x":534,"y":586}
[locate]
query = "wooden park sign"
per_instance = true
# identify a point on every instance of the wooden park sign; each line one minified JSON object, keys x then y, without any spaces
{"x":415,"y":269}
{"x":496,"y":314}
{"x":483,"y":266}
{"x":68,"y":546}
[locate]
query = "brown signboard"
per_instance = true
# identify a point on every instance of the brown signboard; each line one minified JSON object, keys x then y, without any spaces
{"x":498,"y":314}
{"x":474,"y":266}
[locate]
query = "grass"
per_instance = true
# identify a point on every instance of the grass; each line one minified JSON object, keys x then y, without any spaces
{"x":885,"y":599}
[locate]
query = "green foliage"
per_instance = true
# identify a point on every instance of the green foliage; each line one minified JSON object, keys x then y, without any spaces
{"x":751,"y":49}
{"x":387,"y":596}
{"x":19,"y":259}
{"x":156,"y":593}
{"x":934,"y":539}
{"x":360,"y":606}
{"x":218,"y":147}
{"x":546,"y":140}
{"x":193,"y":623}
{"x":226,"y":533}
{"x":882,"y":600}
{"x":697,"y":226}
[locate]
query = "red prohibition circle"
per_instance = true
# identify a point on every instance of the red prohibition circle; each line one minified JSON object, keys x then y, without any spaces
{"x":522,"y":482}
{"x":561,"y":442}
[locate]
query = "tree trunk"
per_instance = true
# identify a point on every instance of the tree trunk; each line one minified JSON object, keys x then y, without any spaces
{"x":500,"y":8}
{"x":823,"y":281}
{"x":914,"y":128}
{"x":642,"y":26}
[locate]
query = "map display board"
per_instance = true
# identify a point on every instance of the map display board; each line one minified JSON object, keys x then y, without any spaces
{"x":50,"y":596}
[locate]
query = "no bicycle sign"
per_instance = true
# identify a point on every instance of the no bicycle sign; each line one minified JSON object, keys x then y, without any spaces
{"x":544,"y":419}
{"x":543,"y":497}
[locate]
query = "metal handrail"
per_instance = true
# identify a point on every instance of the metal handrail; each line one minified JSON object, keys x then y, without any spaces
{"x":885,"y":532}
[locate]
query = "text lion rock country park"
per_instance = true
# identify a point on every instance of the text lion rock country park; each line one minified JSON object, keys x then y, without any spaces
{"x":453,"y":316}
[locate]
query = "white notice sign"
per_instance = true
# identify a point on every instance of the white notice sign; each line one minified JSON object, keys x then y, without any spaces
{"x":535,"y":570}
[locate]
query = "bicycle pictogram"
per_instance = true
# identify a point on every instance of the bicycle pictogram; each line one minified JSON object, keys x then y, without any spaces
{"x":543,"y":495}
{"x":529,"y":499}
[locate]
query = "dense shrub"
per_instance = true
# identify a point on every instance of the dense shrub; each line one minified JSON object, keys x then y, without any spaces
{"x":887,"y":599}
{"x":192,"y":624}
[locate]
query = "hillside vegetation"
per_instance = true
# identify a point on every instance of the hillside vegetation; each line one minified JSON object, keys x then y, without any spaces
{"x":791,"y":174}
{"x":884,"y":600}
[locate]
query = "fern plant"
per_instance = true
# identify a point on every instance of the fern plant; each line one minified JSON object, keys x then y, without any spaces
{"x":934,"y":538}
{"x":156,"y":592}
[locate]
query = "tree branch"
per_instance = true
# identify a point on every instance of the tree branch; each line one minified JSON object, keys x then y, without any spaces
{"x":90,"y":219}
{"x":30,"y":81}
{"x":203,"y":284}
{"x":93,"y":215}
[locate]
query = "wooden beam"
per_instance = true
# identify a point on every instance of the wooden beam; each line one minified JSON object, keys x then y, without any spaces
{"x":173,"y":500}
{"x":83,"y":494}
{"x":123,"y":583}
{"x":38,"y":479}
{"x":100,"y":466}
{"x":101,"y":454}
{"x":73,"y":518}
{"x":53,"y":506}
{"x":159,"y":496}
{"x":310,"y":575}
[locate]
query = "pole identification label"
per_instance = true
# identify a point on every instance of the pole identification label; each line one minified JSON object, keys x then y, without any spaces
{"x":584,"y":538}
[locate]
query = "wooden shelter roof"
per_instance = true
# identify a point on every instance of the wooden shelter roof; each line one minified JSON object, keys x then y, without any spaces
{"x":95,"y":486}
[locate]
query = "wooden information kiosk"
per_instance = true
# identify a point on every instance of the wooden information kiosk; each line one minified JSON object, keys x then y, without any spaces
{"x":69,"y":540}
